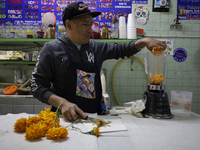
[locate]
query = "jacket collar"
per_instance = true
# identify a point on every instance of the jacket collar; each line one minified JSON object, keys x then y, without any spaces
{"x":67,"y":41}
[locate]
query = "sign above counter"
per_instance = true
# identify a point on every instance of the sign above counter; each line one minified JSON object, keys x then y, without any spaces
{"x":188,"y":9}
{"x":27,"y":11}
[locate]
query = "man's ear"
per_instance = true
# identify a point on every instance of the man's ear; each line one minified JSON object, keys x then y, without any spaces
{"x":68,"y":24}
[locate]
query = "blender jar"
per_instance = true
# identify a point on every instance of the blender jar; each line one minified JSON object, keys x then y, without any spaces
{"x":156,"y":67}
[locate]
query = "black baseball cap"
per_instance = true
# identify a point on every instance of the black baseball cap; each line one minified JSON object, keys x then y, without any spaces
{"x":77,"y":9}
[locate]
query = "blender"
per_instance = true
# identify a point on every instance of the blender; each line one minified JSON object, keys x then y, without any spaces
{"x":155,"y":98}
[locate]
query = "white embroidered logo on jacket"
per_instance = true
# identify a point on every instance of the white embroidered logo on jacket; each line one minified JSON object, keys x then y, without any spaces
{"x":90,"y":57}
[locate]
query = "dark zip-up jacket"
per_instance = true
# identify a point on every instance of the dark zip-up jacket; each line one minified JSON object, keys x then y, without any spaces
{"x":51,"y":66}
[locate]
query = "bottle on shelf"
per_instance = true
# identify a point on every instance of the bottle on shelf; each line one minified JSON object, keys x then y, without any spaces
{"x":50,"y":33}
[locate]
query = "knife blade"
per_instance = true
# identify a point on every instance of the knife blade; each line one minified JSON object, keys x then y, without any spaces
{"x":93,"y":119}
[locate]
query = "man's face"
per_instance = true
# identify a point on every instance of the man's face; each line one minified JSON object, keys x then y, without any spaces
{"x":81,"y":29}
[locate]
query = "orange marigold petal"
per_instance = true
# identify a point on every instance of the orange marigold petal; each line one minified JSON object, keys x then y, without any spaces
{"x":96,"y":130}
{"x":57,"y":133}
{"x":20,"y":125}
{"x":35,"y":131}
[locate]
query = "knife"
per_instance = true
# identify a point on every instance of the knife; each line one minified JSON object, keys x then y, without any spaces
{"x":93,"y":119}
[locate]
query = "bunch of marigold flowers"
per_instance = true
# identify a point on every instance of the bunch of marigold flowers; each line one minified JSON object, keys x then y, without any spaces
{"x":47,"y":123}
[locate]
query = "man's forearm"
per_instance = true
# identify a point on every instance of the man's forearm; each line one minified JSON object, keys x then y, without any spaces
{"x":55,"y":100}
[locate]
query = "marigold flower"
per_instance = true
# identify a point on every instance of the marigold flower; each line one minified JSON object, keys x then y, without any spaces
{"x":57,"y":133}
{"x":35,"y":131}
{"x":156,"y":79}
{"x":20,"y":125}
{"x":157,"y":51}
{"x":49,"y":123}
{"x":95,"y":131}
{"x":100,"y":123}
{"x":37,"y":126}
{"x":46,"y":114}
{"x":33,"y":119}
{"x":48,"y":118}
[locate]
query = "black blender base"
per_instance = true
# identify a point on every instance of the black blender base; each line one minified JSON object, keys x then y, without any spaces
{"x":157,"y":116}
{"x":157,"y":105}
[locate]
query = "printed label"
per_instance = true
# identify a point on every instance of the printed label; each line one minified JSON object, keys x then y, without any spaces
{"x":180,"y":54}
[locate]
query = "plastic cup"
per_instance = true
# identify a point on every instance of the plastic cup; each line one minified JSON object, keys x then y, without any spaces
{"x":131,"y":27}
{"x":131,"y":37}
{"x":131,"y":34}
{"x":131,"y":21}
{"x":122,"y":21}
{"x":122,"y":32}
{"x":181,"y":102}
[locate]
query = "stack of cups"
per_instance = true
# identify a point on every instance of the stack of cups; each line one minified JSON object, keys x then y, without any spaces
{"x":131,"y":27}
{"x":122,"y":27}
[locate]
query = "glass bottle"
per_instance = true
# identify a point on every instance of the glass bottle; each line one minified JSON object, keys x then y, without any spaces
{"x":114,"y":28}
{"x":50,"y":33}
{"x":104,"y":31}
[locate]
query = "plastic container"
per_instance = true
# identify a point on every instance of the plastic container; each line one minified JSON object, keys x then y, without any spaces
{"x":96,"y":31}
{"x":114,"y":29}
{"x":40,"y":34}
{"x":29,"y":34}
{"x":104,"y":31}
{"x":12,"y":34}
{"x":11,"y":90}
{"x":181,"y":102}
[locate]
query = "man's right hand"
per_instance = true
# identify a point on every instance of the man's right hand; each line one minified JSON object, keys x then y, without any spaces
{"x":150,"y":43}
{"x":71,"y":111}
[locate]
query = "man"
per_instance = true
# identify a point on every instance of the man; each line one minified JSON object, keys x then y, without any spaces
{"x":71,"y":64}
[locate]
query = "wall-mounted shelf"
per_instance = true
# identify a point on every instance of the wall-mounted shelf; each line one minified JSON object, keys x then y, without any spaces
{"x":41,"y":42}
{"x":28,"y":43}
{"x":23,"y":42}
{"x":17,"y":62}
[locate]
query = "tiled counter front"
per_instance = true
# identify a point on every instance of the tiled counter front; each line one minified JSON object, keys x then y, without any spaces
{"x":20,"y":104}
